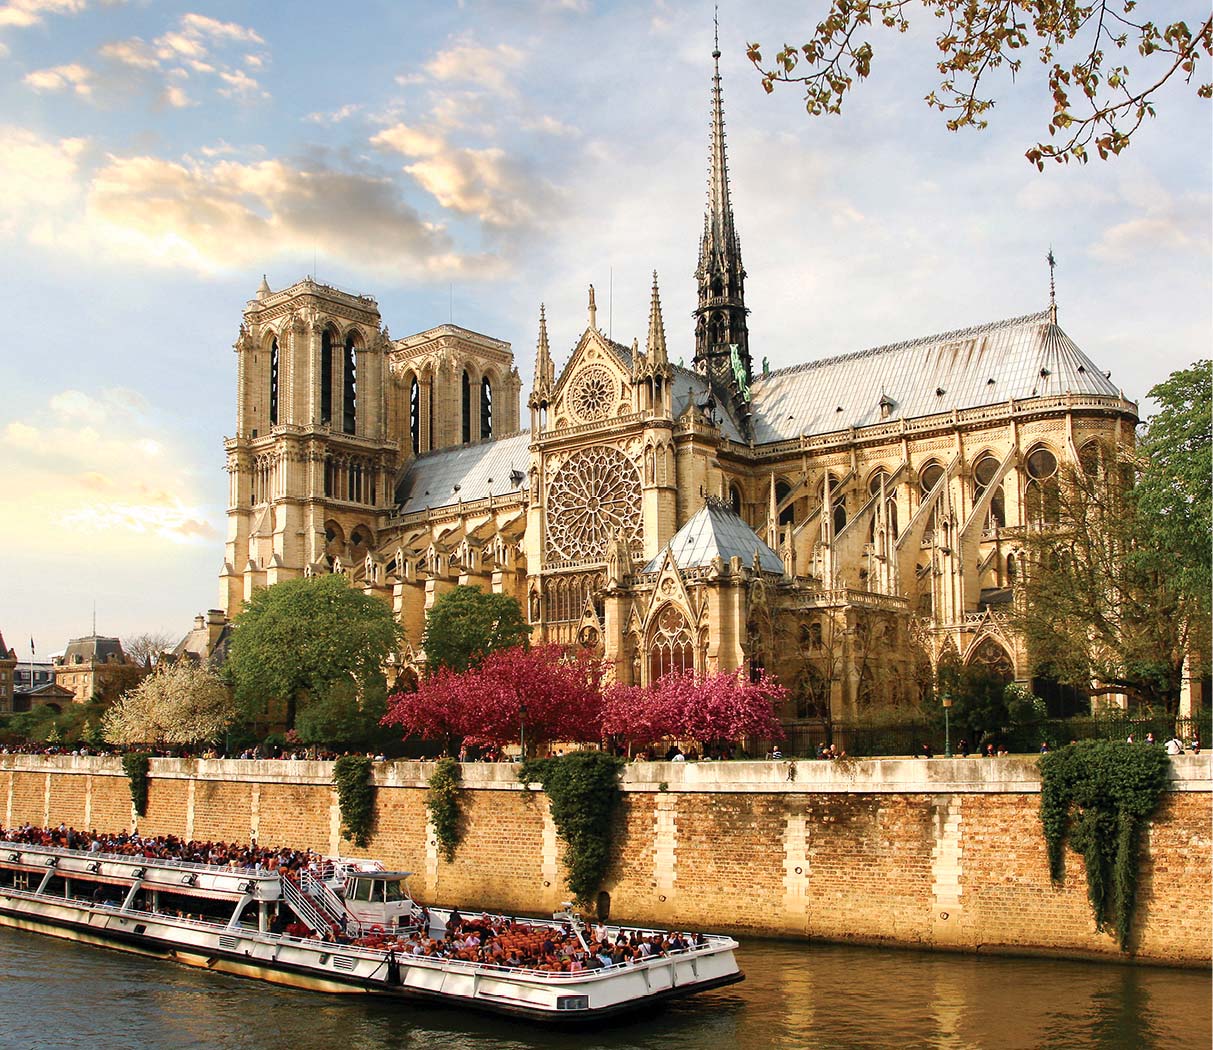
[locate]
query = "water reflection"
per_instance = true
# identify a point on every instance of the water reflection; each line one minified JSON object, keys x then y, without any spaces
{"x":59,"y":995}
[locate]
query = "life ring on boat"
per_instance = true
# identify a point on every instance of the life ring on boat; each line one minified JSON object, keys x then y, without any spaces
{"x":375,"y":929}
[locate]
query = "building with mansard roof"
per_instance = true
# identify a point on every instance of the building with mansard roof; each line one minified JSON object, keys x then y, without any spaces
{"x":847,"y":523}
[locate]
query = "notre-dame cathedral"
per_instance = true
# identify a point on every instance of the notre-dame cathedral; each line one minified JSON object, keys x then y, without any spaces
{"x":846,"y":523}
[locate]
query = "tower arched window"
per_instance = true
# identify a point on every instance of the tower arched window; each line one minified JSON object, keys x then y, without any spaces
{"x":274,"y":382}
{"x":735,"y":499}
{"x":486,"y":408}
{"x":466,"y":385}
{"x":415,"y":414}
{"x":670,"y":646}
{"x":326,"y":376}
{"x":928,"y":478}
{"x":350,"y":386}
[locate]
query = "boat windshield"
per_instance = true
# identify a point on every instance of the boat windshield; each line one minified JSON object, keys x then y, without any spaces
{"x":377,"y":890}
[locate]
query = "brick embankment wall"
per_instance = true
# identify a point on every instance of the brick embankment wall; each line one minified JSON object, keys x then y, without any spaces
{"x":934,"y":854}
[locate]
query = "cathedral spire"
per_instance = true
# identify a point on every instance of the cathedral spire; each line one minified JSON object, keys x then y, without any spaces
{"x":545,"y":370}
{"x":655,"y":348}
{"x":722,"y":345}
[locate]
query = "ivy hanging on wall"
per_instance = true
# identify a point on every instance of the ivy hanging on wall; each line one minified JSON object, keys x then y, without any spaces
{"x":1098,"y":795}
{"x":442,"y":801}
{"x":136,"y":765}
{"x":583,"y":790}
{"x":355,"y":797}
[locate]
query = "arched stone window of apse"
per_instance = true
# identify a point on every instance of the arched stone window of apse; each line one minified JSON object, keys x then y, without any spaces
{"x":465,"y":387}
{"x":1093,"y":457}
{"x":1012,"y":569}
{"x":329,"y":339}
{"x":928,"y":477}
{"x":670,"y":648}
{"x":735,"y":499}
{"x":811,"y":695}
{"x":349,"y":381}
{"x":879,"y":475}
{"x":1042,"y":496}
{"x":985,"y":470}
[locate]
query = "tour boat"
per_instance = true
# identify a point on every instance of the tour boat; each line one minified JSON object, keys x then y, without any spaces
{"x":342,"y":930}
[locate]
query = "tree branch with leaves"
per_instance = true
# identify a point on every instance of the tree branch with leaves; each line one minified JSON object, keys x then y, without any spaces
{"x":1098,"y":103}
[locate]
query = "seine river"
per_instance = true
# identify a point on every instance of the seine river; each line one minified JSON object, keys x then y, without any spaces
{"x":58,"y":995}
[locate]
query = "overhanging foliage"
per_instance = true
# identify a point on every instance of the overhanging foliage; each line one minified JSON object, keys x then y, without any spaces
{"x":355,"y":797}
{"x":1098,"y":794}
{"x":442,"y":801}
{"x":136,"y":765}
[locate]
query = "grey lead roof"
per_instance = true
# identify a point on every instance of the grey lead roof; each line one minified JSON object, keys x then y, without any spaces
{"x":716,"y":530}
{"x":984,"y":365}
{"x":691,"y":386}
{"x":478,"y":470}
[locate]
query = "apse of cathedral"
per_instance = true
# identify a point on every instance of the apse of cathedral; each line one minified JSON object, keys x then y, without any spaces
{"x":846,"y":523}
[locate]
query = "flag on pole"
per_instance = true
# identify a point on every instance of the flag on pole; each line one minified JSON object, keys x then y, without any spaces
{"x":31,"y":645}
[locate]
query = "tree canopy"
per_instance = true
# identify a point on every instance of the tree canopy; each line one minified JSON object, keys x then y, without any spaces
{"x":1096,"y":101}
{"x":309,"y":641}
{"x":1116,"y":591}
{"x":466,"y":624}
{"x":178,"y":703}
{"x":484,"y":704}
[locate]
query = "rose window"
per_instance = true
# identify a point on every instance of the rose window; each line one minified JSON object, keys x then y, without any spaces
{"x":593,"y":495}
{"x":594,"y":393}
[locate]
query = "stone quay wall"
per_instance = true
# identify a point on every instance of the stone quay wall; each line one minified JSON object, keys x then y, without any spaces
{"x":935,"y":853}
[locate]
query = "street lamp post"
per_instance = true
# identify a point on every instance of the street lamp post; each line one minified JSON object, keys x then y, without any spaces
{"x":522,"y":730}
{"x":947,"y":726}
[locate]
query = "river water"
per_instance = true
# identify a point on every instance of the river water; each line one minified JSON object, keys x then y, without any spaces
{"x":54,"y":994}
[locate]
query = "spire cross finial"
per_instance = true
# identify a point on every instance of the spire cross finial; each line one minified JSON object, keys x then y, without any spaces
{"x":1052,"y":285}
{"x":716,"y":30}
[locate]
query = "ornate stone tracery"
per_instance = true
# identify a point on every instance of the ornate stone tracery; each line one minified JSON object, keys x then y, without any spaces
{"x":596,"y":492}
{"x":594,"y":394}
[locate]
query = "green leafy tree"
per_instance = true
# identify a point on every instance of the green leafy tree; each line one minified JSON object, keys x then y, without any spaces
{"x":1174,"y":493}
{"x":1116,"y":590}
{"x":466,"y":624}
{"x":1096,"y":100}
{"x":308,"y":641}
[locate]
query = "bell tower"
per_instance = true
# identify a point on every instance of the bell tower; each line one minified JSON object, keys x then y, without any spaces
{"x":312,"y":464}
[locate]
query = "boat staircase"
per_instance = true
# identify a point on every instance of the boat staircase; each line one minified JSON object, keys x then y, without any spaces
{"x":311,"y":911}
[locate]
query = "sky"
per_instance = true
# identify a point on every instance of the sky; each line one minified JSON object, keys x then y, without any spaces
{"x":466,"y":162}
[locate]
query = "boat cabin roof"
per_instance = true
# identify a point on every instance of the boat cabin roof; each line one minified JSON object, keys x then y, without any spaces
{"x":378,"y":875}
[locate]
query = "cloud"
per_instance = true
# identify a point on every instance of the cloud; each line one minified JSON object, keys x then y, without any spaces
{"x":218,"y":213}
{"x":73,"y":76}
{"x":486,"y":183}
{"x":196,"y":47}
{"x":23,"y":13}
{"x":38,"y":177}
{"x":469,"y":62}
{"x":335,"y":116}
{"x":1124,"y":240}
{"x":81,"y":466}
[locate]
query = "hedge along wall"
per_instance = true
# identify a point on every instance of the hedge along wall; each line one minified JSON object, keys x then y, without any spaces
{"x":935,"y":853}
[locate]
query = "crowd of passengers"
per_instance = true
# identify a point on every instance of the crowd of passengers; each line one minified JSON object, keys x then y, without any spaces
{"x":168,"y":847}
{"x":504,"y":942}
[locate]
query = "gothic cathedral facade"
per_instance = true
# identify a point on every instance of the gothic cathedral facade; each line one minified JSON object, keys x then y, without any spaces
{"x":847,"y":523}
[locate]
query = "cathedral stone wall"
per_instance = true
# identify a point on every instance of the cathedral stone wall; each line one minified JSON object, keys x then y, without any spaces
{"x":939,"y":853}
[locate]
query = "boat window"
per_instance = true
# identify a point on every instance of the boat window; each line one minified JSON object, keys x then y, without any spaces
{"x":393,"y":890}
{"x":360,"y":890}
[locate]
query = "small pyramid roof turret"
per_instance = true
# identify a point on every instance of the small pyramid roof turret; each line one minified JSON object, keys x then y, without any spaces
{"x":717,"y":530}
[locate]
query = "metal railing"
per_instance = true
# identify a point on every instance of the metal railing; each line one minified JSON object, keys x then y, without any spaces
{"x":302,"y":906}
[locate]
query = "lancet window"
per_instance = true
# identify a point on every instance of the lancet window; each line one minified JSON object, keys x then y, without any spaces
{"x":670,"y":646}
{"x":466,"y":386}
{"x":486,"y":408}
{"x":350,"y":386}
{"x":1041,"y":496}
{"x":415,"y":414}
{"x":274,"y":382}
{"x":326,"y":376}
{"x":877,"y":479}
